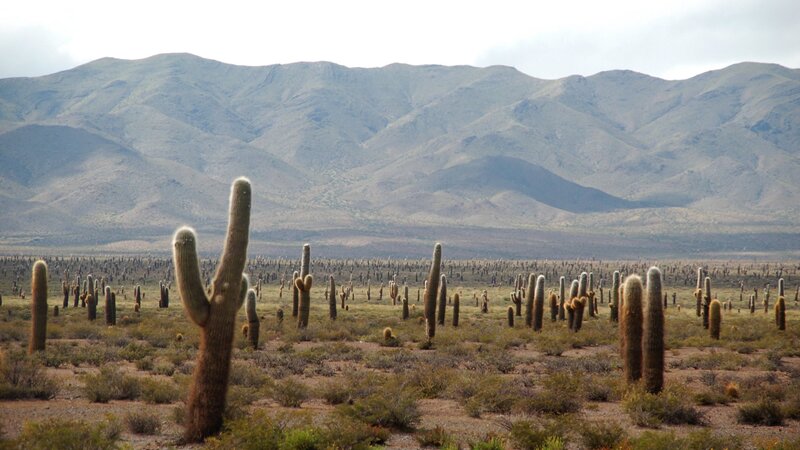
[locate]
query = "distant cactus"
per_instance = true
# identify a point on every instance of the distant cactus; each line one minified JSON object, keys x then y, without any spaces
{"x":38,"y":307}
{"x":303,"y":284}
{"x":332,"y":299}
{"x":108,"y":309}
{"x":214,"y":314}
{"x":253,"y":324}
{"x":780,"y":313}
{"x":432,"y":288}
{"x":510,"y":314}
{"x":653,"y":334}
{"x":65,"y":292}
{"x":456,"y":307}
{"x":442,"y":301}
{"x":615,"y":297}
{"x":561,"y":297}
{"x":538,"y":303}
{"x":715,"y":318}
{"x":631,"y":322}
{"x":780,"y":288}
{"x":706,"y":301}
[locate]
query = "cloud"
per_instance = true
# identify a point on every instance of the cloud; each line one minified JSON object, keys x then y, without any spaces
{"x":31,"y":51}
{"x":673,"y":46}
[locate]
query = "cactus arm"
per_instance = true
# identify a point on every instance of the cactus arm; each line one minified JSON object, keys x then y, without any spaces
{"x":187,"y":276}
{"x":234,"y":254}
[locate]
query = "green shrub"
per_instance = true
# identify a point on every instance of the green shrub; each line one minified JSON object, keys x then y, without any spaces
{"x":670,"y":406}
{"x":764,"y":412}
{"x":23,"y":376}
{"x":159,"y":392}
{"x":68,"y":435}
{"x":334,"y":392}
{"x":437,"y":437}
{"x":601,"y":436}
{"x":397,"y":408}
{"x":560,"y":395}
{"x":301,"y":439}
{"x":527,"y":435}
{"x":289,"y":393}
{"x":140,"y":422}
{"x":490,"y":443}
{"x":110,"y":384}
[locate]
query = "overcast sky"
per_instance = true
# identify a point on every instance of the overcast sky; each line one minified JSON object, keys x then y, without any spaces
{"x":669,"y":39}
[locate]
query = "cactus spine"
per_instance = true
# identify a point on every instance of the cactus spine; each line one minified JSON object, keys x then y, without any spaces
{"x":456,"y":307}
{"x":332,"y":299}
{"x":631,"y":322}
{"x":215,"y":315}
{"x":653,"y":334}
{"x":442,"y":301}
{"x":38,"y":307}
{"x":615,"y":297}
{"x":253,"y":324}
{"x":715,"y":318}
{"x":538,"y":303}
{"x":432,"y":288}
{"x":303,"y":284}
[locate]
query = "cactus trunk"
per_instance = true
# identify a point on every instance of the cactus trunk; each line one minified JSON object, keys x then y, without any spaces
{"x":631,"y":321}
{"x":431,"y":289}
{"x":38,"y":307}
{"x":653,"y":334}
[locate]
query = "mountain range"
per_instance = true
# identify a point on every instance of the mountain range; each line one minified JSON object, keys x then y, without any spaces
{"x":114,"y":155}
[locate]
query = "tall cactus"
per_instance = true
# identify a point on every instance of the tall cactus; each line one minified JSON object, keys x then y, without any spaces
{"x":442,"y":301}
{"x":553,"y":300}
{"x":38,"y":307}
{"x":653,"y":334}
{"x":698,"y":292}
{"x":432,"y":288}
{"x":715,"y":318}
{"x":65,"y":292}
{"x":631,"y":322}
{"x":529,"y":300}
{"x":706,"y":301}
{"x":590,"y":295}
{"x":510,"y":316}
{"x":615,"y":296}
{"x":780,"y":313}
{"x":253,"y":324}
{"x":303,"y":283}
{"x":332,"y":299}
{"x":215,"y":315}
{"x":108,"y":309}
{"x":538,"y":303}
{"x":456,"y":308}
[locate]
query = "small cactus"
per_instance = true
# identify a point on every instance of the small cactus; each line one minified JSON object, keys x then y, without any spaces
{"x":614,"y":306}
{"x":38,"y":307}
{"x":253,"y":324}
{"x":538,"y":303}
{"x":440,"y":312}
{"x":706,"y":301}
{"x":510,"y":314}
{"x":529,"y":301}
{"x":715,"y":318}
{"x":332,"y":299}
{"x":780,"y":313}
{"x":303,"y":284}
{"x":553,"y":300}
{"x":561,"y":297}
{"x":108,"y":310}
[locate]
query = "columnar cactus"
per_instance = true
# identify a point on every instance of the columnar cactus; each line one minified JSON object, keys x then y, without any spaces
{"x":77,"y":291}
{"x":215,"y":315}
{"x":456,"y":308}
{"x":332,"y":299}
{"x":538,"y":303}
{"x":38,"y":307}
{"x":631,"y":324}
{"x":510,"y":314}
{"x":706,"y":301}
{"x":253,"y":324}
{"x":113,"y":308}
{"x":442,"y":301}
{"x":780,"y":313}
{"x":65,"y":292}
{"x":653,"y":334}
{"x":303,"y":284}
{"x":296,"y":295}
{"x":553,"y":300}
{"x":529,"y":301}
{"x":715,"y":318}
{"x":591,"y":296}
{"x":615,"y":297}
{"x":579,"y":304}
{"x":108,"y":309}
{"x":561,"y":297}
{"x":431,"y":289}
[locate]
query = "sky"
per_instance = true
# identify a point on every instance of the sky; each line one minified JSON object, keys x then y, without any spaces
{"x":545,"y":39}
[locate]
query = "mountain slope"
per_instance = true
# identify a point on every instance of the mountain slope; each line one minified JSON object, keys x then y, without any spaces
{"x":124,"y":150}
